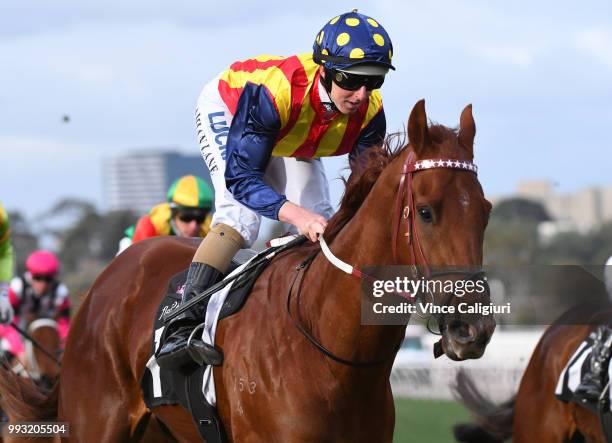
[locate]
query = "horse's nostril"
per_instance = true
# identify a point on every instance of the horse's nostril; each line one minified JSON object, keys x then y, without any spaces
{"x":462,"y":332}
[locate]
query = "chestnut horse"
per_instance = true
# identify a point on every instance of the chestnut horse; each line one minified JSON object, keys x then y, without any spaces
{"x":41,"y":363}
{"x":274,"y":385}
{"x":42,"y":359}
{"x":535,"y":414}
{"x":42,"y":353}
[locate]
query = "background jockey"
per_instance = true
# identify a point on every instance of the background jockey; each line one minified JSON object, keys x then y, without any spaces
{"x":608,"y":276}
{"x":6,"y":267}
{"x":38,"y":294}
{"x":262,"y":126}
{"x":186,"y":213}
{"x":593,"y":380}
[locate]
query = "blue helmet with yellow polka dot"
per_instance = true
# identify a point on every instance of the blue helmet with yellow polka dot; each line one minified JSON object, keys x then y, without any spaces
{"x":353,"y":40}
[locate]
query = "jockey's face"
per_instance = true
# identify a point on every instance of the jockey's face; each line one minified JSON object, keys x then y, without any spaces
{"x":41,"y":283}
{"x":187,"y":226}
{"x":346,"y":101}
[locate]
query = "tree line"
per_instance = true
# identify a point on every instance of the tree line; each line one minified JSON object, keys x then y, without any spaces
{"x":86,"y":240}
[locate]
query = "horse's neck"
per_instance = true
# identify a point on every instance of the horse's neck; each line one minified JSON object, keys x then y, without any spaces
{"x":334,"y":299}
{"x":366,"y":238}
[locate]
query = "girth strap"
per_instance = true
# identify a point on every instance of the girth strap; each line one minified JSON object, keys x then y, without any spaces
{"x":204,"y":415}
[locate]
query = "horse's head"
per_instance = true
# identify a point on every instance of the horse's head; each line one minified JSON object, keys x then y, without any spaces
{"x":429,"y":196}
{"x":441,"y":214}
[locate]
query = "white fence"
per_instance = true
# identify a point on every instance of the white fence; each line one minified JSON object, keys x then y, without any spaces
{"x":497,"y":373}
{"x":499,"y":383}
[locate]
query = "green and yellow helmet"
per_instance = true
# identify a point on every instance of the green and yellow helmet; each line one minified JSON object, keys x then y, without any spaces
{"x":190,"y":191}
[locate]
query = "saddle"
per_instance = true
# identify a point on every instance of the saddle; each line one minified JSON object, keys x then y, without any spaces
{"x":185,"y":386}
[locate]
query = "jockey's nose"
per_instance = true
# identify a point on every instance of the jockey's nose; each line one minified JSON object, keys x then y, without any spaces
{"x":361,"y":94}
{"x":194,"y":224}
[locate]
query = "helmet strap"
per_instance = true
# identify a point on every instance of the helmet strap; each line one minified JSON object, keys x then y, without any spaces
{"x":327,"y":81}
{"x":174,"y":228}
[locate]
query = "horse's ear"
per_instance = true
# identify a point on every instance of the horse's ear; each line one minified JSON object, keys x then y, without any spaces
{"x":467,"y":130}
{"x":418,"y":134}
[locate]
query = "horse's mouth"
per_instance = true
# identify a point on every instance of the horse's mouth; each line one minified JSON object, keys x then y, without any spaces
{"x":465,"y":341}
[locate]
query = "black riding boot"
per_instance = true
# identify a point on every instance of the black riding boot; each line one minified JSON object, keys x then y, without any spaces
{"x":592,"y":383}
{"x":177,"y":350}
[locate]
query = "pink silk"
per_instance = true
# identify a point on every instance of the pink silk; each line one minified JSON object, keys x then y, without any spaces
{"x":10,"y":336}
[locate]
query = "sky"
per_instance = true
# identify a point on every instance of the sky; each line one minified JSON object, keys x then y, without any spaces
{"x":539,"y":76}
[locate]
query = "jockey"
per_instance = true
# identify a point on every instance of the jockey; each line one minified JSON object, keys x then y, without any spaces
{"x":185,"y":213}
{"x":262,"y":126}
{"x":6,"y":267}
{"x":608,"y":276}
{"x":38,"y":294}
{"x":592,"y":383}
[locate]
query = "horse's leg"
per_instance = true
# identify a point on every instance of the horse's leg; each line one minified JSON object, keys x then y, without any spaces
{"x":151,"y":429}
{"x":13,"y":439}
{"x":107,"y":416}
{"x":156,"y":432}
{"x":588,"y":425}
{"x":538,"y":413}
{"x":175,"y":423}
{"x":119,"y":415}
{"x":99,"y":396}
{"x":109,"y":343}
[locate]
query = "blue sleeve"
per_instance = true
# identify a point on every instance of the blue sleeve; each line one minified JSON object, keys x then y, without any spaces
{"x":372,"y":135}
{"x":249,"y":145}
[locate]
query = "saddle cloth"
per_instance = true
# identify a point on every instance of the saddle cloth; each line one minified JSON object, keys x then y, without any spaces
{"x":573,"y":372}
{"x":163,"y":387}
{"x":193,"y":387}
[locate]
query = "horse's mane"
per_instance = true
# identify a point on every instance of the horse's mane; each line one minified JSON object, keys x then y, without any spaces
{"x":366,"y":169}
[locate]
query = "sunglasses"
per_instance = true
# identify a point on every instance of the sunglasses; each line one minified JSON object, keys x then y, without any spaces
{"x":189,"y":217}
{"x":45,"y":278}
{"x":352,"y":82}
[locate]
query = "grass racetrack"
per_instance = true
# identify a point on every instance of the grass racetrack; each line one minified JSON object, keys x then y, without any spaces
{"x":426,"y":421}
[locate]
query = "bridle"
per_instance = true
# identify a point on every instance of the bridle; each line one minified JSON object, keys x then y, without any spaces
{"x":404,"y":210}
{"x":407,"y":210}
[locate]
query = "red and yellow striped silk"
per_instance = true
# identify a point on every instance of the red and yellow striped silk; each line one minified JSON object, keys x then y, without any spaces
{"x":292,"y":84}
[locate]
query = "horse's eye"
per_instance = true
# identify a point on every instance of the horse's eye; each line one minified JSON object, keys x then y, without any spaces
{"x":426,"y":214}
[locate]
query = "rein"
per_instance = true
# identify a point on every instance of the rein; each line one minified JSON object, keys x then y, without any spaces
{"x":35,"y":343}
{"x":404,"y":191}
{"x":357,"y":364}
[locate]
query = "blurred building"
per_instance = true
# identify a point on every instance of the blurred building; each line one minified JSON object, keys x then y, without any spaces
{"x":138,"y":180}
{"x":582,"y":210}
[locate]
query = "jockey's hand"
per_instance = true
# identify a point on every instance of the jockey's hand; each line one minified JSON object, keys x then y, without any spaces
{"x":307,"y":222}
{"x":6,"y":310}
